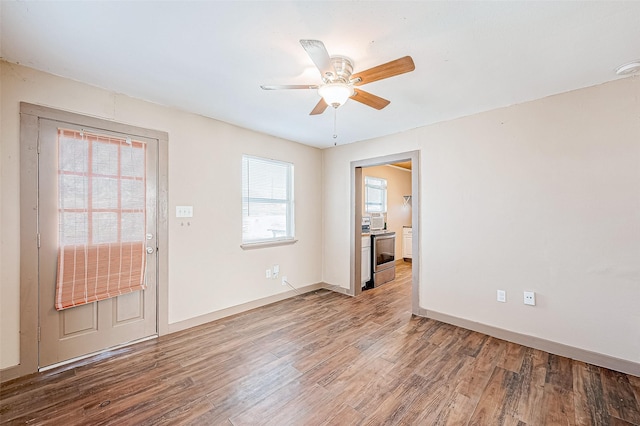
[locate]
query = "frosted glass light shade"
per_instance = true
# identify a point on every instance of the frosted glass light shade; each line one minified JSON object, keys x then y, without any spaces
{"x":335,"y":94}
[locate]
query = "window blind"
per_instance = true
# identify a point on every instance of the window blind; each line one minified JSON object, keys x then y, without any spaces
{"x":375,"y":195}
{"x":267,"y":200}
{"x":101,"y":216}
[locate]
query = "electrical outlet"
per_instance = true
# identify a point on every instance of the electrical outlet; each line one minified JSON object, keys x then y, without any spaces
{"x":267,"y":273}
{"x":276,"y":271}
{"x":502,"y":296}
{"x":529,"y":298}
{"x":284,"y":280}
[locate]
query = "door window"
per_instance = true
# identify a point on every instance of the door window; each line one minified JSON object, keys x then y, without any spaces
{"x":101,"y":211}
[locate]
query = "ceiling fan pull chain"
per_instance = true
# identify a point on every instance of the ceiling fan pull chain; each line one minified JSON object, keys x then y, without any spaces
{"x":335,"y":125}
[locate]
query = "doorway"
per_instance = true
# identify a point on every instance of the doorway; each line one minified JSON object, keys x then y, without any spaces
{"x":356,"y":217}
{"x":115,"y":192}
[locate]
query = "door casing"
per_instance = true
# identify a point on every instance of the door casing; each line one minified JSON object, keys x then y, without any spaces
{"x":356,"y":220}
{"x":29,"y":118}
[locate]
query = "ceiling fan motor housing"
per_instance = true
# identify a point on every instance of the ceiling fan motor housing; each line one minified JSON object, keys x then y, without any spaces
{"x":343,"y":68}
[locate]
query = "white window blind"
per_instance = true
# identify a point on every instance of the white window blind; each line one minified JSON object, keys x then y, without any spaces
{"x":101,"y":214}
{"x":267,"y":200}
{"x":375,"y":198}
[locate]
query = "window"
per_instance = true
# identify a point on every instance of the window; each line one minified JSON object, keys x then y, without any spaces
{"x":375,"y":195}
{"x":101,"y":188}
{"x":267,"y":200}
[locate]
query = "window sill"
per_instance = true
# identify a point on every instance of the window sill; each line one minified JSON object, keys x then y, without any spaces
{"x":265,"y":244}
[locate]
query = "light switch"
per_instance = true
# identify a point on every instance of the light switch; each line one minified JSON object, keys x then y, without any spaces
{"x":184,"y":211}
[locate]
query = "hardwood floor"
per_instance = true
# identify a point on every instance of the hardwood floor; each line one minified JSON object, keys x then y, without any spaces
{"x":326,"y":359}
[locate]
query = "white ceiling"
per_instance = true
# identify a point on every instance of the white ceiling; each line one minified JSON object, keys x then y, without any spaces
{"x":210,"y":57}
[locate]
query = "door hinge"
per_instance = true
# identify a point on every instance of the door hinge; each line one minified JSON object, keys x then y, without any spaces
{"x":38,"y":333}
{"x":38,"y":236}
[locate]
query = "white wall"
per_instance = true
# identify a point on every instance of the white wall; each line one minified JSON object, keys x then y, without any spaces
{"x":542,"y":196}
{"x":208,"y":271}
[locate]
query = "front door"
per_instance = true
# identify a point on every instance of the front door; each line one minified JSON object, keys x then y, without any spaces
{"x":95,"y":188}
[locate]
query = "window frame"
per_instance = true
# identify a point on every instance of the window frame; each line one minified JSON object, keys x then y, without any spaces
{"x":289,"y":202}
{"x":383,"y":188}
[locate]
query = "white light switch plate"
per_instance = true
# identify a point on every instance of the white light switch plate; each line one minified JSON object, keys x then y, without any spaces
{"x":184,"y":211}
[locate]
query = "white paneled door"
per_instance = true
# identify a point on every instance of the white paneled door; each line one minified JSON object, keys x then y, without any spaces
{"x":97,"y":216}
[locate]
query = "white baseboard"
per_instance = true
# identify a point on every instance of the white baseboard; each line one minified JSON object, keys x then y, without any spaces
{"x":602,"y":360}
{"x":337,"y":289}
{"x":212,"y":316}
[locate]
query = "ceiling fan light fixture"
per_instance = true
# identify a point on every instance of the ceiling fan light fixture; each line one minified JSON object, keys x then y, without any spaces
{"x":628,"y":68}
{"x":335,"y":94}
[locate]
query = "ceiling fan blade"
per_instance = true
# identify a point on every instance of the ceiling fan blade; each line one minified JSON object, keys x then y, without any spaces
{"x":319,"y":108}
{"x":319,"y":55}
{"x":397,"y":67}
{"x":289,"y":86}
{"x":369,"y":99}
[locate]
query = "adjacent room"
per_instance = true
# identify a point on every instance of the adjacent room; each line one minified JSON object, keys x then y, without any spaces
{"x":308,"y":212}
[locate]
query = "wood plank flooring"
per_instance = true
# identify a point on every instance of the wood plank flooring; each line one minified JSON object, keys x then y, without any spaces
{"x":325,"y":359}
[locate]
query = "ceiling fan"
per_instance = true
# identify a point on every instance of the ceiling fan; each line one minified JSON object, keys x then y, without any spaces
{"x":338,"y":81}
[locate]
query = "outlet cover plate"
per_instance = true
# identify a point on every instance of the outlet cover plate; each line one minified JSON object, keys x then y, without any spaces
{"x":530,"y":298}
{"x":502,"y":296}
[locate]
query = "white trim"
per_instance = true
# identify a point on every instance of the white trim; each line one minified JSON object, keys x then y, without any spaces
{"x":337,"y":289}
{"x":579,"y":354}
{"x":265,"y":244}
{"x":238,"y":309}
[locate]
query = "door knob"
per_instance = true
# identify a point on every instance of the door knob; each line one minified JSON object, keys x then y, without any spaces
{"x":150,"y":250}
